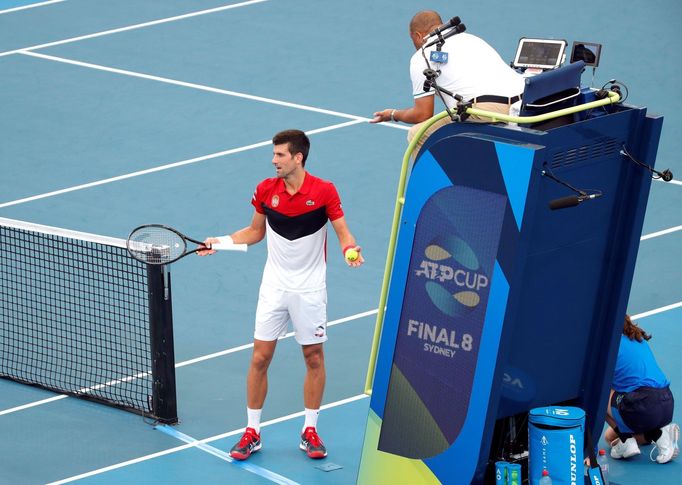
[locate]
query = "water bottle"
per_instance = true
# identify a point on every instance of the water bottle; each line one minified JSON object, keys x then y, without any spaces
{"x":501,"y":472}
{"x":545,"y":480}
{"x":603,"y":461}
{"x":514,"y":474}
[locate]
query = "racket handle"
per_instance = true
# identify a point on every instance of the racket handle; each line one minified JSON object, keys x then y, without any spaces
{"x":229,"y":247}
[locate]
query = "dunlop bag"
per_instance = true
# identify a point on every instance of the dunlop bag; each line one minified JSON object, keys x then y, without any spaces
{"x":555,"y":444}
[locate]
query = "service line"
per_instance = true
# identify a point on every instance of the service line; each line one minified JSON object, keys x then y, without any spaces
{"x":167,"y":166}
{"x":32,"y":5}
{"x":209,"y":89}
{"x":133,"y":27}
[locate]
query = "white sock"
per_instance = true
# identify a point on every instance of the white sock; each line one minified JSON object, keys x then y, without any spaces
{"x":253,"y":416}
{"x":310,"y":418}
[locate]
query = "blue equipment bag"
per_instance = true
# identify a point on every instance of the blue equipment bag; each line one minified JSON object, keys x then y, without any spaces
{"x":556,"y":444}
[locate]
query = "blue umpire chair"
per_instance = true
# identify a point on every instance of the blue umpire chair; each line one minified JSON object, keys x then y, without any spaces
{"x":496,"y":303}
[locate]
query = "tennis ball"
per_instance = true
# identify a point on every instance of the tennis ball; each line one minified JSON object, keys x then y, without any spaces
{"x":352,"y":255}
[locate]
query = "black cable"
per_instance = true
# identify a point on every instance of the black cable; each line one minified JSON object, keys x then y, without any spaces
{"x":616,"y":88}
{"x":666,"y":175}
{"x":148,"y":419}
{"x":603,"y":93}
{"x":571,"y":200}
{"x":627,"y":93}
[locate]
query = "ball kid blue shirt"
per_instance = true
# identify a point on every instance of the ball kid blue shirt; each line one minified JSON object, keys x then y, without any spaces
{"x":636,"y":367}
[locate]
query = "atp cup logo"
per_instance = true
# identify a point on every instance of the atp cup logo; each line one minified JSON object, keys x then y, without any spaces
{"x":454,"y":276}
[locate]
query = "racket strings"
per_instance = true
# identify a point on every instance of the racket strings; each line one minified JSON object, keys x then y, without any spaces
{"x":156,"y":245}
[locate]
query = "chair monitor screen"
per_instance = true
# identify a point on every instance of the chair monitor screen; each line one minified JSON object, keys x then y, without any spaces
{"x":588,"y":52}
{"x":539,"y":53}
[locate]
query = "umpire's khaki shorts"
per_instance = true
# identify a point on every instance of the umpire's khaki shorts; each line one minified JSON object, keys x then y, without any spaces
{"x":494,"y":107}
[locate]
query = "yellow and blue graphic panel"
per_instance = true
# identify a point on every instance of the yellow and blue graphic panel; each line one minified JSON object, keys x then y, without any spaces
{"x":444,"y":317}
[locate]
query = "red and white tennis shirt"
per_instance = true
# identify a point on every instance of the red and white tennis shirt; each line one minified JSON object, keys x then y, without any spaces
{"x":296,"y":229}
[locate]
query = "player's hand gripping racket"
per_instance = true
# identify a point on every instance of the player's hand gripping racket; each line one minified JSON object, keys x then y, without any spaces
{"x":159,"y":244}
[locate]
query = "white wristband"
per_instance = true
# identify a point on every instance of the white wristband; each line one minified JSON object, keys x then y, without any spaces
{"x":227,"y":240}
{"x":393,"y":115}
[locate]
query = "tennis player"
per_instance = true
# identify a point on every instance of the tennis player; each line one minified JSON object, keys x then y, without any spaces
{"x":292,"y":209}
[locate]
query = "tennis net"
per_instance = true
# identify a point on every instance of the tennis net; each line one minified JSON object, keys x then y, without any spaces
{"x":79,"y":316}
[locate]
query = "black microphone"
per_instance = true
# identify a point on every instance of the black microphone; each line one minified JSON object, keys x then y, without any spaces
{"x":458,"y":29}
{"x":666,"y":175}
{"x":447,"y":25}
{"x":564,"y":202}
{"x":570,"y":201}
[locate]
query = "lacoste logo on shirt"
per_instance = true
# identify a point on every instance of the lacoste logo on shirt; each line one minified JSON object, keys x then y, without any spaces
{"x":310,"y":202}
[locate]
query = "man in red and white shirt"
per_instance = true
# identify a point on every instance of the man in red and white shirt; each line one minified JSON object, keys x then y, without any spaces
{"x":292,"y":209}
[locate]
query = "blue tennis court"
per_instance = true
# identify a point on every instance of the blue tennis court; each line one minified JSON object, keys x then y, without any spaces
{"x":116,"y":114}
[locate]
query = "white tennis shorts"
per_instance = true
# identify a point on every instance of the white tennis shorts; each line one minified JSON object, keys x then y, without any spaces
{"x":307,"y":312}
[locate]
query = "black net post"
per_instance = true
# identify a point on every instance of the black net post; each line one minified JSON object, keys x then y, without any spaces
{"x":164,"y":402}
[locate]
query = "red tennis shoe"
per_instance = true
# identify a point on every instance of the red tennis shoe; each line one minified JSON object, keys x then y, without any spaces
{"x":249,"y":443}
{"x":312,"y":444}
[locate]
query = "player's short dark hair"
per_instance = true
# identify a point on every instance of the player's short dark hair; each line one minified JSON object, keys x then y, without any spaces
{"x":296,"y":140}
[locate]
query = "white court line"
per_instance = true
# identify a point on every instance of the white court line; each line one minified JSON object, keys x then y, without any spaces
{"x":660,"y":233}
{"x":209,"y":89}
{"x":84,"y":390}
{"x":123,"y":464}
{"x":225,"y":456}
{"x":200,"y":442}
{"x":168,"y":166}
{"x":288,"y":335}
{"x":133,"y":27}
{"x":33,"y":5}
{"x":193,"y":361}
{"x":674,"y":181}
{"x":33,"y":404}
{"x":657,"y":310}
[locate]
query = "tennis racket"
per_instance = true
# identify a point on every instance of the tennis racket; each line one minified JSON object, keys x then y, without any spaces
{"x":159,"y":244}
